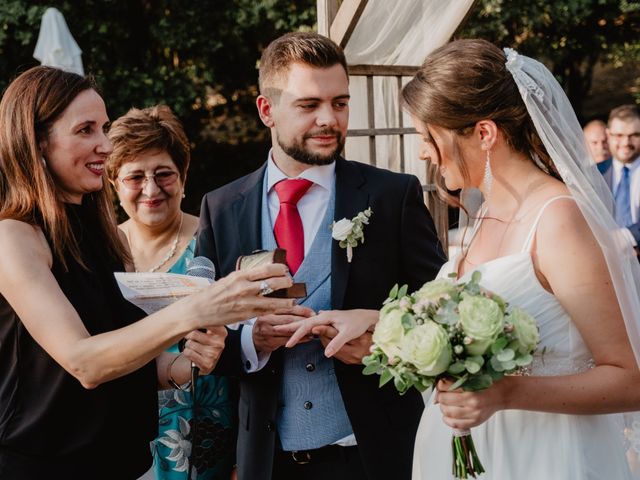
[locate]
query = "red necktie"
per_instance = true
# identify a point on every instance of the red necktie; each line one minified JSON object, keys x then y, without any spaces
{"x":288,"y":227}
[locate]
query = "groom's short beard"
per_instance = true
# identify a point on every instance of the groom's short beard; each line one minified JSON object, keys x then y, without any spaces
{"x":297,"y":151}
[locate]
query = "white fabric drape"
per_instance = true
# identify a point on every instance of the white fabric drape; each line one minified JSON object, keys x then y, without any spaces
{"x":401,"y":32}
{"x":56,"y":46}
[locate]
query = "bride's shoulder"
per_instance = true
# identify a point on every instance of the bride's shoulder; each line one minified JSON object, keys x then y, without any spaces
{"x":561,"y":219}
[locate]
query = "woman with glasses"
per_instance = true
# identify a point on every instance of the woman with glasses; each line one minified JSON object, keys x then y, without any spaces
{"x":79,"y":365}
{"x":148,"y":169}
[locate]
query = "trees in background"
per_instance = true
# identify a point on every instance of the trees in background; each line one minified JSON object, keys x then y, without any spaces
{"x":200,"y":58}
{"x":572,"y":37}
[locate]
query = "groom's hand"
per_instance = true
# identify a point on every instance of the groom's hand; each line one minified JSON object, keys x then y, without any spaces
{"x":351,"y":352}
{"x":266,"y":339}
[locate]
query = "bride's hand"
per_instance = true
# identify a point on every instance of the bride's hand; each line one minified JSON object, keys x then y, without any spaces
{"x":350,"y":324}
{"x":463,"y":410}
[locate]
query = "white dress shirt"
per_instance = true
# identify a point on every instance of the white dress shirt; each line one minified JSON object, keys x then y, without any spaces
{"x":312,"y":208}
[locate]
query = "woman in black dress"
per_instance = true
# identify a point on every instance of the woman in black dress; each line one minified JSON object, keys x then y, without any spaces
{"x":79,"y":368}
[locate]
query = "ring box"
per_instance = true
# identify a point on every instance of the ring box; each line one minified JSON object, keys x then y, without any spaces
{"x":266,"y":257}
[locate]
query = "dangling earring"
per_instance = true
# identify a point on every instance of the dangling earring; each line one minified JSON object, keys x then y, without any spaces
{"x":487,"y":180}
{"x":183,"y":194}
{"x":44,"y":162}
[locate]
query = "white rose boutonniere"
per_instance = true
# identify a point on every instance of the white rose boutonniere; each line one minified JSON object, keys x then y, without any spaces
{"x":350,"y":232}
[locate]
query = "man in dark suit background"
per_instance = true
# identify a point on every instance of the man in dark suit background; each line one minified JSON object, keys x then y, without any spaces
{"x":303,"y":415}
{"x":622,"y":170}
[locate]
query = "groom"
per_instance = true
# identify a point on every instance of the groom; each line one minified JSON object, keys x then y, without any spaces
{"x":302,"y":415}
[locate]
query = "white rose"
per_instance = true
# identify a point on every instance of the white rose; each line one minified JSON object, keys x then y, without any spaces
{"x":427,"y":347}
{"x":435,"y":290}
{"x":525,"y":330}
{"x":389,"y":330}
{"x":482,"y":321}
{"x":342,"y":229}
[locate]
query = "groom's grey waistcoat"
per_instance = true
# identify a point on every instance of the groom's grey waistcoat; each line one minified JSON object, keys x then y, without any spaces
{"x":311,"y":413}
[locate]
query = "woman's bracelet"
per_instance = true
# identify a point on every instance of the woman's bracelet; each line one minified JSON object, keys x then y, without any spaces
{"x":170,"y":379}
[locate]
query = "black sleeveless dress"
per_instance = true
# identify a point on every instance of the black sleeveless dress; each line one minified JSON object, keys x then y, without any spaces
{"x":52,"y":427}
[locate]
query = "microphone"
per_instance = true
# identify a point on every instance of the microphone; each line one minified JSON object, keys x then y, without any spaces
{"x":201,"y":267}
{"x":204,"y":268}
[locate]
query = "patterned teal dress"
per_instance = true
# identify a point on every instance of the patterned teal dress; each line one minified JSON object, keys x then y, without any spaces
{"x":213,"y":456}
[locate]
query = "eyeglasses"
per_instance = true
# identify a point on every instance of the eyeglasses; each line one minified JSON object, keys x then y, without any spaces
{"x":137,"y":181}
{"x":621,"y":136}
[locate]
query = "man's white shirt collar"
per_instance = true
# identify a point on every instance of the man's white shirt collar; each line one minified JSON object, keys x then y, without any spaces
{"x":322,"y":175}
{"x":617,"y":165}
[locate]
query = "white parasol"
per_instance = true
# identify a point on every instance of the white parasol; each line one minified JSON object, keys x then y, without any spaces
{"x":56,"y":46}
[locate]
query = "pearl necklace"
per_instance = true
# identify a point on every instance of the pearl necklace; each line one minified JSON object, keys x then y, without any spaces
{"x":170,"y":253}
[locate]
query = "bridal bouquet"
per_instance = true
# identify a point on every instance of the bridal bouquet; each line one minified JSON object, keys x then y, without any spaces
{"x":450,"y":330}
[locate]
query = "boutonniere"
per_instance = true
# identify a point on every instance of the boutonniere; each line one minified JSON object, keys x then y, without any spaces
{"x":350,"y":232}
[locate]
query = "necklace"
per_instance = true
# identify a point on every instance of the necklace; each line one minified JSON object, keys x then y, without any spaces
{"x":170,"y":253}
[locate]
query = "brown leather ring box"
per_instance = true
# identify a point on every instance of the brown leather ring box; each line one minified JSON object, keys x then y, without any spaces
{"x":264,"y":257}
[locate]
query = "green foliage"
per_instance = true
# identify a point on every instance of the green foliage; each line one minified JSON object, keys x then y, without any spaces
{"x":199,"y":57}
{"x":570,"y":36}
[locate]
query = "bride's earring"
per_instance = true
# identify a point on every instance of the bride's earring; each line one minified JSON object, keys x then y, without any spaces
{"x":487,"y":180}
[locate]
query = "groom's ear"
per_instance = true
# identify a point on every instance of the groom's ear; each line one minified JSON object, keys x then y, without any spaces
{"x":487,"y":133}
{"x":265,"y":110}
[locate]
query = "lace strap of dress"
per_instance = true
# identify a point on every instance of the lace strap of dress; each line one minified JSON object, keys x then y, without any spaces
{"x":529,"y":241}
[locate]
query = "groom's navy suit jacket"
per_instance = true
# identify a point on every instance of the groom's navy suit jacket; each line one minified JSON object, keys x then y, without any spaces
{"x":606,"y":169}
{"x":401,"y":246}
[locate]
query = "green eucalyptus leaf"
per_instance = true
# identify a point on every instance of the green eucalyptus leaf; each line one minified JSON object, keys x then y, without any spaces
{"x":385,"y":377}
{"x":495,"y":375}
{"x":478,"y":382}
{"x":524,"y":360}
{"x":496,"y":364}
{"x":499,"y":344}
{"x":471,"y":366}
{"x":505,"y":355}
{"x":400,"y":384}
{"x":393,"y":294}
{"x":456,"y":368}
{"x":371,"y":369}
{"x":447,"y":314}
{"x":509,"y":365}
{"x":403,"y":291}
{"x":408,"y":322}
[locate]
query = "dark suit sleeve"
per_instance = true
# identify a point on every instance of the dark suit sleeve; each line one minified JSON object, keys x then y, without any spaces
{"x":635,"y":231}
{"x":230,"y":363}
{"x":422,"y":254}
{"x":205,"y":241}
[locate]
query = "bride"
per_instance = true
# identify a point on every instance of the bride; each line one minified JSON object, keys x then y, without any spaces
{"x":502,"y":124}
{"x":546,"y":242}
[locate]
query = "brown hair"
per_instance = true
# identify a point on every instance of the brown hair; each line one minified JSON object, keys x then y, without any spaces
{"x":464,"y":82}
{"x":29,"y":107}
{"x":297,"y":47}
{"x":142,"y":131}
{"x":625,"y":113}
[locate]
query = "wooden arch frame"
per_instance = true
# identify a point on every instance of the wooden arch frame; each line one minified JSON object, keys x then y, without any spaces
{"x":337,"y":20}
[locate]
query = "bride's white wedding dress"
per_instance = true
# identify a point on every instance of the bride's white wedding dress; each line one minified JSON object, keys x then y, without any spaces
{"x":523,"y":445}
